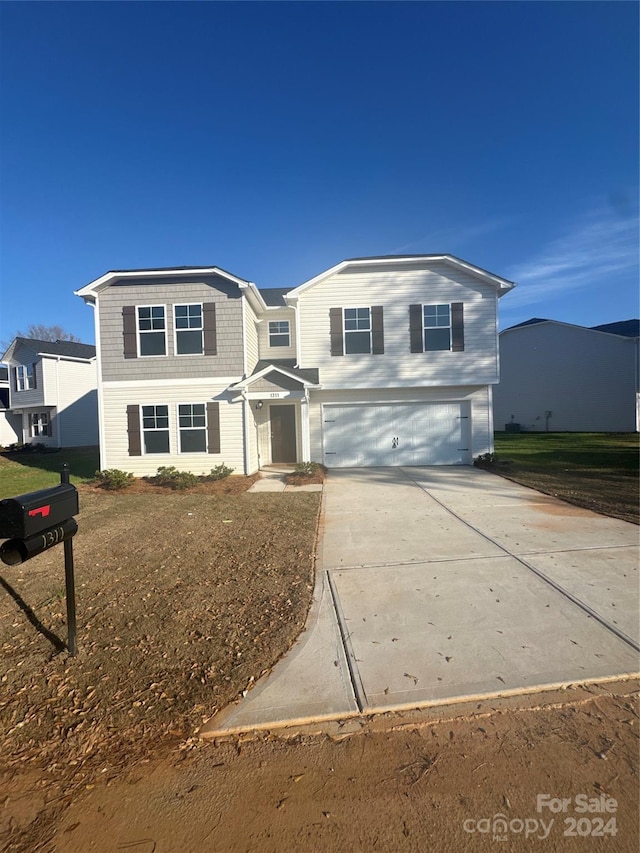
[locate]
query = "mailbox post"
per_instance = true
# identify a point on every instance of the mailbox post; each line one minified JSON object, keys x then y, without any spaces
{"x":38,"y":521}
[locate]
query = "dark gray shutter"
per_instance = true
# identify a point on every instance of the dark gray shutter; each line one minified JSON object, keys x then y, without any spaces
{"x":35,"y":374}
{"x":129,"y":331}
{"x":335,"y":329}
{"x":416,"y":329}
{"x":377,"y":330}
{"x":133,"y":430}
{"x":50,"y":425}
{"x":14,"y":378}
{"x":209,"y":328}
{"x":457,"y":327}
{"x":213,"y":427}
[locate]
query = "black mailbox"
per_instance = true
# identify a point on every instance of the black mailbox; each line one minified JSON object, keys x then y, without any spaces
{"x":27,"y":515}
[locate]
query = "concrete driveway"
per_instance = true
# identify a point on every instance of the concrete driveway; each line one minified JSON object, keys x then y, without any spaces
{"x":439,"y":585}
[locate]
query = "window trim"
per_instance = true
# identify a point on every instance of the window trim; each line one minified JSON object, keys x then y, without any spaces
{"x":45,"y":418}
{"x":346,"y":332}
{"x":280,"y":334}
{"x":425,"y":328}
{"x":140,"y":332}
{"x":176,"y":330}
{"x":144,"y":430}
{"x":26,"y":377}
{"x":204,"y":429}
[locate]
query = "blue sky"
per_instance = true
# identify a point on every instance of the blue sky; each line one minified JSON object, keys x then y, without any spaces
{"x":276,"y":139}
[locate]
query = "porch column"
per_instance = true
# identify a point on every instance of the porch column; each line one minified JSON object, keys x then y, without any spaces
{"x":304,"y":423}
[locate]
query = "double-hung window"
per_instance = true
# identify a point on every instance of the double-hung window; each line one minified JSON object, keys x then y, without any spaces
{"x":279,"y":335}
{"x":437,"y":327}
{"x":152,"y":330}
{"x":155,"y":429}
{"x":25,"y":377}
{"x":357,"y":330}
{"x":189,"y":328}
{"x":39,"y":424}
{"x":192,"y":427}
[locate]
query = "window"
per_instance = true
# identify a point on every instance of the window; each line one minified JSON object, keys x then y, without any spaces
{"x":188,"y":321}
{"x":25,"y":377}
{"x":357,"y":330}
{"x":152,"y":335}
{"x":155,"y":429}
{"x":39,"y":424}
{"x":192,"y":426}
{"x":279,"y":333}
{"x":437,"y":327}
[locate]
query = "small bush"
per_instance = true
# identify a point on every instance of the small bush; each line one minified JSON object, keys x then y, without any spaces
{"x":307,"y":468}
{"x":168,"y":475}
{"x":220,"y":472}
{"x":113,"y":479}
{"x":485,"y":460}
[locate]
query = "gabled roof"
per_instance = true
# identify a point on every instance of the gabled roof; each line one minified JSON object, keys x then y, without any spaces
{"x":62,"y":349}
{"x":285,"y":367}
{"x":503,"y":285}
{"x":627,"y":328}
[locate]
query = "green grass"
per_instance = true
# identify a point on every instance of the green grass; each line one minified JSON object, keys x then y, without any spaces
{"x":28,"y":472}
{"x":598,"y":471}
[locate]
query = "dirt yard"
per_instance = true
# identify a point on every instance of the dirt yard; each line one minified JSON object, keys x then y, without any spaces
{"x":184,"y":599}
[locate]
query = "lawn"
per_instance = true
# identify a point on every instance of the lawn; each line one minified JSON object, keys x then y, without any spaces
{"x":598,"y":471}
{"x":28,"y":471}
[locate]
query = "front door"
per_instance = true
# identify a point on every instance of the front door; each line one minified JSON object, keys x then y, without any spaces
{"x":283,"y":433}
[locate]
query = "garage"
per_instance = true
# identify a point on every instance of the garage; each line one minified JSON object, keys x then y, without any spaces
{"x":379,"y":435}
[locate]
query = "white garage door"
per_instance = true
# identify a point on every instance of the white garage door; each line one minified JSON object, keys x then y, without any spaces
{"x":396,"y":434}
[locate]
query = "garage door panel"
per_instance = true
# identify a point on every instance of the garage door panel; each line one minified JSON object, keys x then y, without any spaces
{"x":366,"y":435}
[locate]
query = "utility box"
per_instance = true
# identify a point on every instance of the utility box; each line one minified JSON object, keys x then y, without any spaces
{"x":30,"y":514}
{"x":512,"y":427}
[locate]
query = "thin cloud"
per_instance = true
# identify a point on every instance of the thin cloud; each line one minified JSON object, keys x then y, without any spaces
{"x":599,"y":247}
{"x":448,"y":240}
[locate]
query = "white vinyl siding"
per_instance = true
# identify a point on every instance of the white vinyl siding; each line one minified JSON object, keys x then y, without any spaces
{"x":396,"y":290}
{"x":70,"y":386}
{"x":275,"y":315}
{"x":117,"y":397}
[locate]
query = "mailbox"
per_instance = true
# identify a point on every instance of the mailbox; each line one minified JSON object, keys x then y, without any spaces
{"x":35,"y":512}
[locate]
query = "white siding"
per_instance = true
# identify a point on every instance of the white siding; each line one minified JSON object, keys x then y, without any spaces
{"x":10,"y":428}
{"x":395,"y":291}
{"x":269,"y":353}
{"x":77,"y":400}
{"x":481,"y":438}
{"x":116,"y":398}
{"x":586,"y":379}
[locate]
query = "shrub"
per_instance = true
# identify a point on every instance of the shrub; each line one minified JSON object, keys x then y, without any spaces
{"x":168,"y":475}
{"x":220,"y":472}
{"x":307,"y":468}
{"x":485,"y":460}
{"x":113,"y":478}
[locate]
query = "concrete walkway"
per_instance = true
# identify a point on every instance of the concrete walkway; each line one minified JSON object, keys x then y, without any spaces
{"x":440,"y":585}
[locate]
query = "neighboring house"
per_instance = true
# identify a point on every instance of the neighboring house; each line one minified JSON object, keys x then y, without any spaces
{"x":10,"y":424}
{"x":377,"y":361}
{"x":53,"y":392}
{"x":565,"y":378}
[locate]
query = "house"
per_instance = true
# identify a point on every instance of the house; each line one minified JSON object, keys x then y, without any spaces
{"x":10,"y":424}
{"x":375,"y":362}
{"x":53,"y":392}
{"x":567,"y":378}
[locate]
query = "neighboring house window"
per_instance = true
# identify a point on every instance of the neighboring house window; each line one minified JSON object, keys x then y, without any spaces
{"x":39,"y":424}
{"x":155,"y":429}
{"x":189,"y":329}
{"x":279,"y":333}
{"x":439,"y":327}
{"x":152,"y":335}
{"x":25,"y":377}
{"x":192,"y":427}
